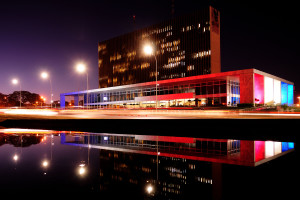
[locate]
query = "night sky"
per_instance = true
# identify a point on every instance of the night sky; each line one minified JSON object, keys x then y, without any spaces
{"x":55,"y":35}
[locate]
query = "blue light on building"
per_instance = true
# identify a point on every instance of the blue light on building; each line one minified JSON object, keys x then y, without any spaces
{"x":284,"y":93}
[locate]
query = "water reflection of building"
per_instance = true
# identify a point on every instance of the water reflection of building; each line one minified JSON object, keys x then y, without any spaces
{"x":171,"y":164}
{"x":177,"y":176}
{"x":238,"y":152}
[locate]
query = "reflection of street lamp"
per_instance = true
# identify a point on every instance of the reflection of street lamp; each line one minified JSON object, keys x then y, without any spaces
{"x":150,"y":189}
{"x":45,"y":163}
{"x":16,"y":82}
{"x":81,"y":68}
{"x":15,"y":157}
{"x":45,"y":75}
{"x":148,"y":50}
{"x":299,"y":100}
{"x":82,"y":170}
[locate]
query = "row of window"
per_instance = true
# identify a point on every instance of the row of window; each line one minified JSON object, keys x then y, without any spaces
{"x":201,"y":146}
{"x":172,"y":46}
{"x":216,"y":87}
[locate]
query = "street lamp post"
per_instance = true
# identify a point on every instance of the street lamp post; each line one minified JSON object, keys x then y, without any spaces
{"x":45,"y":75}
{"x":15,"y":82}
{"x":148,"y":50}
{"x":81,"y":68}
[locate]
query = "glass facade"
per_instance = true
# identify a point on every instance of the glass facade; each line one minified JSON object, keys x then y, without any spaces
{"x":240,"y":152}
{"x":182,"y":45}
{"x":194,"y":94}
{"x":221,"y":89}
{"x":151,"y":144}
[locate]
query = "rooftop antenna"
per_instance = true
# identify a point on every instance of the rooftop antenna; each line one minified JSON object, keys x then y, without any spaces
{"x":133,"y":18}
{"x":172,"y":8}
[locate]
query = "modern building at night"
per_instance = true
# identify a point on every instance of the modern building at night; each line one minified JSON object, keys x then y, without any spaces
{"x":187,"y":57}
{"x":226,"y":88}
{"x":184,"y":46}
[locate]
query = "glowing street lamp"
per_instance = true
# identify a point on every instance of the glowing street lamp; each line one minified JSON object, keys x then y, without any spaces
{"x":43,"y":100}
{"x":45,"y":75}
{"x":81,"y":68}
{"x":149,"y":51}
{"x":16,"y":82}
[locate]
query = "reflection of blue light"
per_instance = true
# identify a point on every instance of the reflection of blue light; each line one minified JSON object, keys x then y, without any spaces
{"x":291,"y":145}
{"x":284,"y":146}
{"x":287,"y":146}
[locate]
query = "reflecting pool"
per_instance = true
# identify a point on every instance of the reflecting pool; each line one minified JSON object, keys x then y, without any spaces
{"x":144,"y":166}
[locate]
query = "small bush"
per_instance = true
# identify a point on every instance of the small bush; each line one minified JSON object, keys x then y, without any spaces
{"x":245,"y":105}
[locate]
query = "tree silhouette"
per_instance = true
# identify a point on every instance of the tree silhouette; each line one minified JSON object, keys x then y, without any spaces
{"x":26,"y":97}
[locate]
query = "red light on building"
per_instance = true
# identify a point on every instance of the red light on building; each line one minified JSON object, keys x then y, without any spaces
{"x":259,"y":88}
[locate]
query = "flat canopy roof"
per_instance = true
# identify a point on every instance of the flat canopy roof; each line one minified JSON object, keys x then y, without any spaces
{"x":230,"y":75}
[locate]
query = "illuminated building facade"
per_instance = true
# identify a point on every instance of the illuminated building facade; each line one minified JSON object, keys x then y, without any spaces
{"x":250,"y":86}
{"x":184,"y":46}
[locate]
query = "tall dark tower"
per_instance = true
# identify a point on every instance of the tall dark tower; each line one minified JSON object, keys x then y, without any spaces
{"x":184,"y":46}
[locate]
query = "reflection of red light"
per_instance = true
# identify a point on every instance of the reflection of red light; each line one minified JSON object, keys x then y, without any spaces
{"x":166,"y":138}
{"x":259,"y":150}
